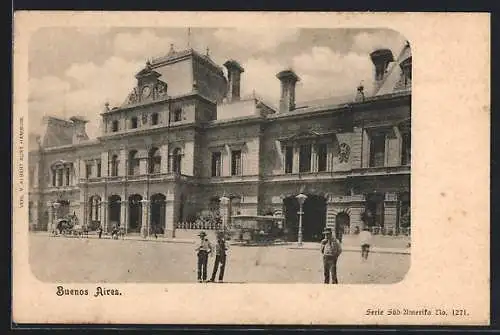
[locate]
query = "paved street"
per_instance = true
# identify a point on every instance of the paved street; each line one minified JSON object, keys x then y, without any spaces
{"x":61,"y":259}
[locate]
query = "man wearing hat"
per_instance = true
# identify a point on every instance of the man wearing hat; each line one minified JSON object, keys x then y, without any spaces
{"x":220,"y":257}
{"x":331,"y":250}
{"x":203,"y":249}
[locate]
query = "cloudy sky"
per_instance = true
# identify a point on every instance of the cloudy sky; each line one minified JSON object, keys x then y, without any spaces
{"x":74,"y":71}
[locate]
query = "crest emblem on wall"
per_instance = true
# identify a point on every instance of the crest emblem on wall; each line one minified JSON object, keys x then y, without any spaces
{"x":344,"y":152}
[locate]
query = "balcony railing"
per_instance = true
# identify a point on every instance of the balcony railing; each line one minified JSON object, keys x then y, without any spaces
{"x":133,"y":178}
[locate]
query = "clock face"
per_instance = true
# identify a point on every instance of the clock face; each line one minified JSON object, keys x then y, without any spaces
{"x":146,"y":92}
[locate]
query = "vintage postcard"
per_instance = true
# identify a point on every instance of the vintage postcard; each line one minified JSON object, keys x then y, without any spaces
{"x":251,"y":168}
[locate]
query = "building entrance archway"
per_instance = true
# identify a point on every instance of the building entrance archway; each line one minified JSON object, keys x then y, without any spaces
{"x":157,"y":215}
{"x":342,"y":224}
{"x":313,"y":219}
{"x":114,"y":210}
{"x":135,"y":213}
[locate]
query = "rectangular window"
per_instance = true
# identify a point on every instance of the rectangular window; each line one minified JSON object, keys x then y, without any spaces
{"x":134,"y":122}
{"x":305,"y":158}
{"x":68,"y":172}
{"x":216,"y":164}
{"x":288,"y":159}
{"x":377,"y":150}
{"x":114,"y":126}
{"x":54,"y":172}
{"x":236,"y":163}
{"x":406,"y":149}
{"x":321,"y":157}
{"x":177,"y":114}
{"x":88,"y":170}
{"x":98,"y":172}
{"x":60,"y":177}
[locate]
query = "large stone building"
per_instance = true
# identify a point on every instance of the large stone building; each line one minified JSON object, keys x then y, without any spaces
{"x":184,"y":137}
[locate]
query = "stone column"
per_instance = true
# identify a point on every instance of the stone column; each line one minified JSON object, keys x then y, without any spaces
{"x":50,"y":211}
{"x":314,"y":158}
{"x":169,"y":215}
{"x":105,"y":164}
{"x":164,"y":158}
{"x":355,"y":217}
{"x":390,"y":212}
{"x":123,"y":215}
{"x":296,"y":158}
{"x":145,"y":217}
{"x":143,"y":165}
{"x":104,"y":215}
{"x":82,"y":217}
{"x":122,"y":167}
{"x":226,"y":161}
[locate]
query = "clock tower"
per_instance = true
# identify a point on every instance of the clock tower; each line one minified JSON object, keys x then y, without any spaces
{"x":149,"y":87}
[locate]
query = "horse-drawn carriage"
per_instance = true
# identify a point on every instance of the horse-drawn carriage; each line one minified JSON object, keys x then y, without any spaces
{"x":70,"y":226}
{"x":257,"y":229}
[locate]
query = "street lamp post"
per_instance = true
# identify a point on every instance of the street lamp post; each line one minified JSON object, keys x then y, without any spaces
{"x":56,"y":206}
{"x":224,"y":201}
{"x":301,"y":198}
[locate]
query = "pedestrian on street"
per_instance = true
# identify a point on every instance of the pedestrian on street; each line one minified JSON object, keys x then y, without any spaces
{"x":331,"y":250}
{"x":203,"y":249}
{"x":99,"y":230}
{"x":365,"y":237}
{"x":220,"y":257}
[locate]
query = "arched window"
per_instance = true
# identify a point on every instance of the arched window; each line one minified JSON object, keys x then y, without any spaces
{"x":114,"y":126}
{"x":154,"y":119}
{"x":154,"y":160}
{"x":176,"y":160}
{"x":133,"y":163}
{"x":133,"y":122}
{"x":114,"y":165}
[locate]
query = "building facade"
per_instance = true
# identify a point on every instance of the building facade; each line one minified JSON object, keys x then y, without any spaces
{"x":184,"y":137}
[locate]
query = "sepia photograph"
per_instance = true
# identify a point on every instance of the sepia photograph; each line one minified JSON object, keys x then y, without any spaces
{"x":285,"y":168}
{"x":220,"y":155}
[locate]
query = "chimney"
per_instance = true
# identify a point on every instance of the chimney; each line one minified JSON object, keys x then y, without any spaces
{"x":79,"y":132}
{"x":288,"y":79}
{"x":381,"y":59}
{"x":234,"y":71}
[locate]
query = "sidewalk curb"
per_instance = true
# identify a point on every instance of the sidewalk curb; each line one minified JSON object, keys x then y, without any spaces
{"x":185,"y":241}
{"x":375,"y":251}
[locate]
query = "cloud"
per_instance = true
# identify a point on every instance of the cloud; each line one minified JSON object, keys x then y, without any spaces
{"x":256,"y":38}
{"x":260,"y":76}
{"x":367,"y":42}
{"x":325,"y":73}
{"x":82,"y":91}
{"x":141,"y":45}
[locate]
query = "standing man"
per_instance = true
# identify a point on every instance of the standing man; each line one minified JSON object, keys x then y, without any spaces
{"x":203,"y":249}
{"x":220,"y":257}
{"x":331,"y":250}
{"x":365,"y":237}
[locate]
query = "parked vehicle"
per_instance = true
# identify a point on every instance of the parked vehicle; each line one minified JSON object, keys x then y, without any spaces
{"x":257,"y":229}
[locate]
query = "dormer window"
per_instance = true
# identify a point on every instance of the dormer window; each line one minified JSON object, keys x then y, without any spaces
{"x":114,"y":126}
{"x":154,"y":119}
{"x":133,"y":122}
{"x":406,"y":71}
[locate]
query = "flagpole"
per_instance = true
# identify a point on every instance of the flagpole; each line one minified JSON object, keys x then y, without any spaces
{"x":189,"y":38}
